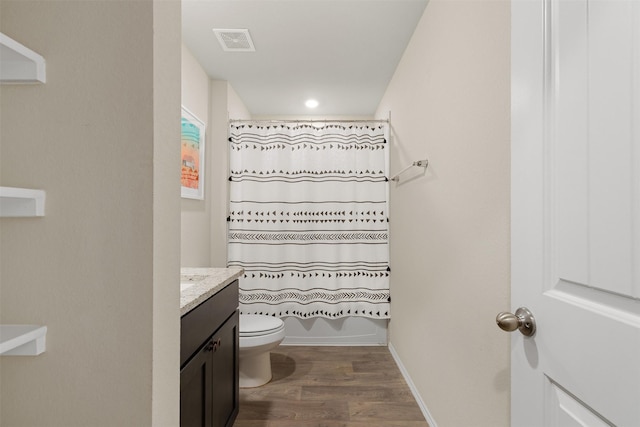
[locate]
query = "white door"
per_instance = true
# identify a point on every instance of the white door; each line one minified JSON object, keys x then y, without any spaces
{"x":576,"y":211}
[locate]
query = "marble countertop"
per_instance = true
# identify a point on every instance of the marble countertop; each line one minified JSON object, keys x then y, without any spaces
{"x":202,"y":283}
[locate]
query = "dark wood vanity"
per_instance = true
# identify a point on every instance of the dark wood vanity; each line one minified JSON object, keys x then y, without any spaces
{"x":209,"y":361}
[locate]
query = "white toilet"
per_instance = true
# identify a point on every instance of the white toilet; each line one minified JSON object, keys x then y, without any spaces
{"x":259,"y":335}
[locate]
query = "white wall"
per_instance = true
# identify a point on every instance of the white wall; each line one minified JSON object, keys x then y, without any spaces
{"x":235,"y":105}
{"x":225,"y":105}
{"x":204,"y":225}
{"x":449,"y":228}
{"x":101,"y":269}
{"x":165,"y":393}
{"x":196,"y":214}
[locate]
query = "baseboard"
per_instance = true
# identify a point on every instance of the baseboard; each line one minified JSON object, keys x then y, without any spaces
{"x":412,"y":387}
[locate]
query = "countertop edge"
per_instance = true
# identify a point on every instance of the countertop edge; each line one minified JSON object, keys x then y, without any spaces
{"x":206,"y":283}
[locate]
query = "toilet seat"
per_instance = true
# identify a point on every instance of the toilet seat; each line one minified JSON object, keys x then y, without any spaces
{"x":252,"y":325}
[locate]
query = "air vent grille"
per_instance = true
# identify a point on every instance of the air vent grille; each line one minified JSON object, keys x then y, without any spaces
{"x":235,"y":40}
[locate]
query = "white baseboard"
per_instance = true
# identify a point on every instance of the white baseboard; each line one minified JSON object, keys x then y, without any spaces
{"x":412,"y":387}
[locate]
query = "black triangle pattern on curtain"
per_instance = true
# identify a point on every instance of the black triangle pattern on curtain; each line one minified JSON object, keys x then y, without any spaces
{"x":308,"y":219}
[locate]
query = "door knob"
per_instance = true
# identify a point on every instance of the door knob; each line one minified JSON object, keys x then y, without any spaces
{"x":523,"y":320}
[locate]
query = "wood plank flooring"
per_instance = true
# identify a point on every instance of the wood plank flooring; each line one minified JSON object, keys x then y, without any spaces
{"x":331,"y":387}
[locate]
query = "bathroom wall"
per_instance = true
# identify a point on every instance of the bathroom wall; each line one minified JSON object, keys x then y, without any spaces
{"x":225,"y":105}
{"x":204,"y":225}
{"x":101,"y":269}
{"x":449,"y":102}
{"x":195,"y":249}
{"x":165,"y":386}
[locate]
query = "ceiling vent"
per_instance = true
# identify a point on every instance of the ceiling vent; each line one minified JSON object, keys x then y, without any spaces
{"x":235,"y":40}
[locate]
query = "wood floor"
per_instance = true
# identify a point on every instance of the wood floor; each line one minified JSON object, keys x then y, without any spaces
{"x":331,"y":387}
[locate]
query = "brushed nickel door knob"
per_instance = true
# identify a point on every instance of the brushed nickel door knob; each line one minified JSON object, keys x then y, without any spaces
{"x":523,"y":320}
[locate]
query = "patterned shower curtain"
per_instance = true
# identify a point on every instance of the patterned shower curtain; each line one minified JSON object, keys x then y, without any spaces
{"x":308,"y":219}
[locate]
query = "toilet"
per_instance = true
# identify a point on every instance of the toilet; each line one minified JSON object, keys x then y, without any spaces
{"x":259,"y":334}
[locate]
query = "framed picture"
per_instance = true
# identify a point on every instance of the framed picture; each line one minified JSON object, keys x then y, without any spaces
{"x":192,"y":156}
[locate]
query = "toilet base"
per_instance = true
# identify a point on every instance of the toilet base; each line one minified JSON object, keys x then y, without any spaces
{"x":255,"y":370}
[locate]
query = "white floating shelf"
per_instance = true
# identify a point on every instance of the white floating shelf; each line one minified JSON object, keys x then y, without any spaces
{"x":21,"y":202}
{"x":19,"y":64}
{"x":22,"y":340}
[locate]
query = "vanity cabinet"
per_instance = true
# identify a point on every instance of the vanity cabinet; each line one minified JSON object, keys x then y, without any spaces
{"x":209,"y":361}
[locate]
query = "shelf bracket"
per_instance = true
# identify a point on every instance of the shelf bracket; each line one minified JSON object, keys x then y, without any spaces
{"x":21,"y":202}
{"x":19,"y":64}
{"x":22,"y":340}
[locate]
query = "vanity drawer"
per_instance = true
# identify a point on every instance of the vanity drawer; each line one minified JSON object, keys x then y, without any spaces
{"x":202,"y":322}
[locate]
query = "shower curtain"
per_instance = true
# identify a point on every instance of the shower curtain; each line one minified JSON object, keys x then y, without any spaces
{"x":308,"y":218}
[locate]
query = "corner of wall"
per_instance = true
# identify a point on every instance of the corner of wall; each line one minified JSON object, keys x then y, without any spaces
{"x":165,"y":406}
{"x":224,"y":105}
{"x":449,"y":227}
{"x":196,"y":215}
{"x":219,"y":116}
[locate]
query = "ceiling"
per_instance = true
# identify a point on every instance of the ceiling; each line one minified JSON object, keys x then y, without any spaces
{"x":342,"y":53}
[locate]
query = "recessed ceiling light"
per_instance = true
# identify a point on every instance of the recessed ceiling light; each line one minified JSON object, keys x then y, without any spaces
{"x":311,"y":103}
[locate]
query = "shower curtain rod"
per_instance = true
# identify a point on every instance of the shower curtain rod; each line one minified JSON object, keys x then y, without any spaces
{"x":309,"y":121}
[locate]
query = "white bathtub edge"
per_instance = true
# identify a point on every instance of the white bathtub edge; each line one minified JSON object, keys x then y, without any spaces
{"x":350,"y":331}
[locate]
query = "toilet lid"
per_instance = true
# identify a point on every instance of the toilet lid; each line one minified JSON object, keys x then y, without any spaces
{"x":256,"y":324}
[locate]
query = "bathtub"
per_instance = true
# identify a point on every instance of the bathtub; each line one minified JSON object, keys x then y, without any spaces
{"x":345,"y":331}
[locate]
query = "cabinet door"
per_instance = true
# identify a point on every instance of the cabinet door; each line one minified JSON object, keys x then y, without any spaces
{"x":225,"y":374}
{"x":195,"y":389}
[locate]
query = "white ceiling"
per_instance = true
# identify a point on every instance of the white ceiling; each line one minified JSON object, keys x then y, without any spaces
{"x":341,"y":52}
